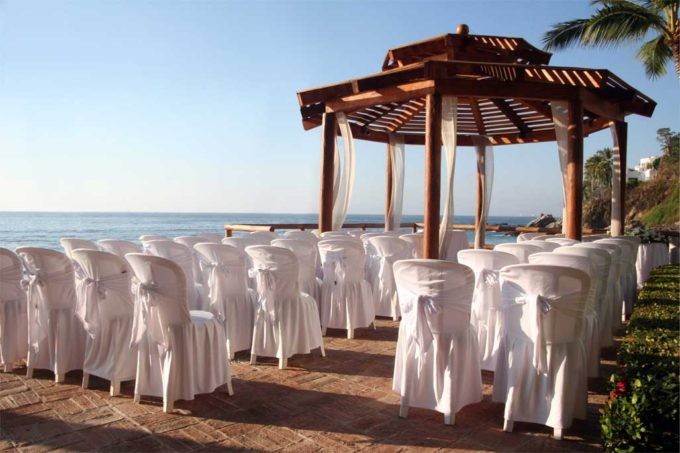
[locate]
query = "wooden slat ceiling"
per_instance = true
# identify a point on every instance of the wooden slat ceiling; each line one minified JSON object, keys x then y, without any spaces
{"x":509,"y":70}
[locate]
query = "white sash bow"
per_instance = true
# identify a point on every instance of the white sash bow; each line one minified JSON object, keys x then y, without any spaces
{"x":266,"y":289}
{"x":38,"y":310}
{"x":91,"y":291}
{"x":487,"y":279}
{"x":147,"y":320}
{"x":334,"y":270}
{"x":420,"y":330}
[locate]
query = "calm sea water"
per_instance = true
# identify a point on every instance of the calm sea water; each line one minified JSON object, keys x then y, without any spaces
{"x":44,"y":229}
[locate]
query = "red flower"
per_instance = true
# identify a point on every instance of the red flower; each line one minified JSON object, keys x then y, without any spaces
{"x":621,"y":386}
{"x":613,"y":394}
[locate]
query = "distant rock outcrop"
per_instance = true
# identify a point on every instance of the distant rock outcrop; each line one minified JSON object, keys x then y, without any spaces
{"x":545,"y":221}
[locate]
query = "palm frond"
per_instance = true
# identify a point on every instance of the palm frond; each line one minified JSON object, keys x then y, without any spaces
{"x":564,"y":34}
{"x":655,"y":55}
{"x":620,"y":21}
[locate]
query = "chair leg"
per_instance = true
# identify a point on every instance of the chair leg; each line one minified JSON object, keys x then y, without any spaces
{"x":59,"y":378}
{"x":395,"y":318}
{"x":86,"y":380}
{"x":137,"y":398}
{"x":449,"y":419}
{"x":374,"y":326}
{"x":230,"y":389}
{"x":323,"y":350}
{"x":508,"y":425}
{"x":29,"y":372}
{"x":283,"y":363}
{"x":323,"y":331}
{"x":350,"y":334}
{"x":253,"y":358}
{"x":7,"y":368}
{"x":403,"y":407}
{"x":115,"y":387}
{"x":557,"y":433}
{"x":168,"y":406}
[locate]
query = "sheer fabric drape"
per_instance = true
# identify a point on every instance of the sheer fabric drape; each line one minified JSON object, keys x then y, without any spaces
{"x":343,"y":181}
{"x":560,"y":112}
{"x":396,"y":153}
{"x":485,"y":169}
{"x":449,"y":128}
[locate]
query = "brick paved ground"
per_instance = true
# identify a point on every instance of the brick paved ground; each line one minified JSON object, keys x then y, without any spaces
{"x":339,"y":403}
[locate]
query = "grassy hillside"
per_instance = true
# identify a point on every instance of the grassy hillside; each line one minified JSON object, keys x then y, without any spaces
{"x":657,"y":202}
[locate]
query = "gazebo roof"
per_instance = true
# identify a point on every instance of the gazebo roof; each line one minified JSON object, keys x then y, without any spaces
{"x":504,"y":87}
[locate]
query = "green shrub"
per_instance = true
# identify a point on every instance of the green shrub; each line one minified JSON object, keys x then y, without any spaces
{"x":642,"y":411}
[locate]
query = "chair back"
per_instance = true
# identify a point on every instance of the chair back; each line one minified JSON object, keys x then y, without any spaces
{"x":160,"y":299}
{"x":435,"y":296}
{"x":528,"y":236}
{"x":521,"y":250}
{"x":119,"y":247}
{"x":104,"y":292}
{"x":337,"y":234}
{"x":11,"y":276}
{"x":51,"y":277}
{"x":306,"y":253}
{"x":390,"y":248}
{"x":563,"y":241}
{"x":71,"y":244}
{"x":189,"y":242}
{"x":628,"y":248}
{"x":415,"y":241}
{"x":212,"y":237}
{"x":456,"y":240}
{"x":301,"y":235}
{"x":481,"y":259}
{"x":544,"y":237}
{"x":262,"y":237}
{"x":581,"y":263}
{"x":152,"y":237}
{"x":544,"y":303}
{"x":226,"y":270}
{"x":544,"y":245}
{"x":342,"y":257}
{"x":239,"y":242}
{"x":177,"y":253}
{"x":593,"y":237}
{"x":276,"y":272}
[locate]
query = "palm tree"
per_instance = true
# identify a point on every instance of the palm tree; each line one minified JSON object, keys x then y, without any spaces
{"x":598,"y":174}
{"x":619,"y":21}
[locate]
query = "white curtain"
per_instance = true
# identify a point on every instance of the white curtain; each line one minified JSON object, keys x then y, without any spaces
{"x":396,"y":153}
{"x":485,"y":170}
{"x":449,"y":128}
{"x":344,"y":164}
{"x":560,"y":112}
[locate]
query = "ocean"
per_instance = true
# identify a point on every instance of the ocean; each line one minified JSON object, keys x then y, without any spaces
{"x":44,"y":229}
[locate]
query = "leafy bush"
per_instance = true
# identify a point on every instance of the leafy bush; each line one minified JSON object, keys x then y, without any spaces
{"x":642,"y":411}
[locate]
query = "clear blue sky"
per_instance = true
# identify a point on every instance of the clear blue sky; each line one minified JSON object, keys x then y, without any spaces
{"x":191,"y":106}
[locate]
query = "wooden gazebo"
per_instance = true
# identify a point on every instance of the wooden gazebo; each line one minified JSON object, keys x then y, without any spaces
{"x":504,"y":88}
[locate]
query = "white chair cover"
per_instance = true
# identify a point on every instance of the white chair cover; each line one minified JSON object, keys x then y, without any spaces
{"x":105,"y":307}
{"x":241,"y":242}
{"x":56,"y":337}
{"x":184,"y":257}
{"x":117,"y":247}
{"x":286,"y":320}
{"x":628,"y":276}
{"x":189,"y":242}
{"x":301,"y":235}
{"x":346,"y":297}
{"x":212,"y":237}
{"x":521,"y":251}
{"x":544,"y":245}
{"x":541,"y":369}
{"x":306,"y":253}
{"x":262,"y":237}
{"x":372,"y":263}
{"x":71,"y":244}
{"x":456,"y":240}
{"x":182,"y":353}
{"x":13,"y":310}
{"x":151,"y":237}
{"x":339,"y":234}
{"x":437,"y":358}
{"x":563,"y":241}
{"x":650,"y":256}
{"x":528,"y":236}
{"x":616,"y":268}
{"x":388,"y":250}
{"x":545,"y":237}
{"x":601,"y":261}
{"x":486,"y":302}
{"x":591,"y":330}
{"x":593,"y":237}
{"x":415,"y":241}
{"x":231,"y":301}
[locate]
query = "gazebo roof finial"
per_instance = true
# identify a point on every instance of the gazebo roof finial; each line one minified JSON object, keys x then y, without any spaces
{"x":462,"y":29}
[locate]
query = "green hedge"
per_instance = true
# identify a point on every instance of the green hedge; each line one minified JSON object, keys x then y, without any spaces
{"x":642,"y":411}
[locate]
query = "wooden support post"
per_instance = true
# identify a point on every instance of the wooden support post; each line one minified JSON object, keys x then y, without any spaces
{"x":574,"y":205}
{"x":480,"y":227}
{"x":388,"y":199}
{"x":433,"y":164}
{"x":618,"y":216}
{"x":329,"y":133}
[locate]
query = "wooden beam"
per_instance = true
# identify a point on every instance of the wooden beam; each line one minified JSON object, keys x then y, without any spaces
{"x":384,"y":96}
{"x":600,"y":106}
{"x":618,"y":214}
{"x":574,"y":204}
{"x":514,"y":118}
{"x":414,"y":106}
{"x":541,"y":107}
{"x":329,"y":134}
{"x":433,"y":163}
{"x":477,"y":114}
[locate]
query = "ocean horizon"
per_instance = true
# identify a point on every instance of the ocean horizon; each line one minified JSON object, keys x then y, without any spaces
{"x":44,"y":229}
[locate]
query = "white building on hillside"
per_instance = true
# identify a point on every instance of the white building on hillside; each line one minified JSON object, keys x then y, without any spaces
{"x":644,"y":171}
